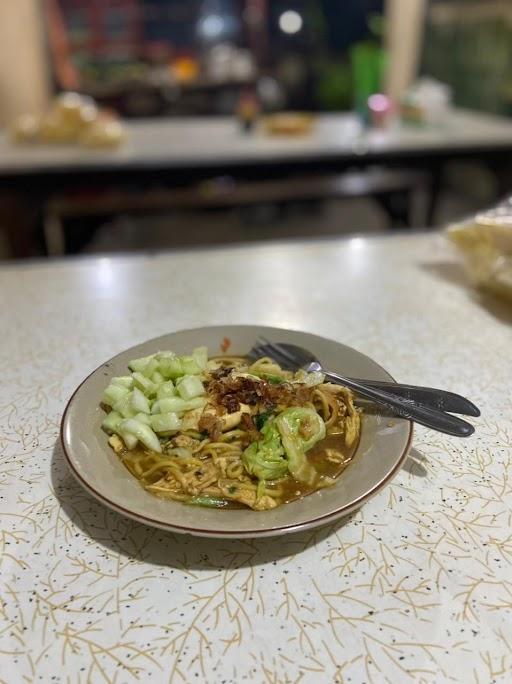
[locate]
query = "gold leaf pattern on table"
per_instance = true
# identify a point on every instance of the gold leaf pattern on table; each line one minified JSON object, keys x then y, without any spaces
{"x":414,"y":587}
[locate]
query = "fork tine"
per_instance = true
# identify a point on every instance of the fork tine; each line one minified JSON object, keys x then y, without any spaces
{"x":255,"y":352}
{"x":283,"y":353}
{"x":260,"y":348}
{"x":278,"y":353}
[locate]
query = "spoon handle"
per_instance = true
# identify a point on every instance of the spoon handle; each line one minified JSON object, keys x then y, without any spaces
{"x":404,"y":408}
{"x":429,"y":396}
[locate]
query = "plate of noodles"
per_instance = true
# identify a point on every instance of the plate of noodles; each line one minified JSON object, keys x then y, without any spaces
{"x":186,"y":433}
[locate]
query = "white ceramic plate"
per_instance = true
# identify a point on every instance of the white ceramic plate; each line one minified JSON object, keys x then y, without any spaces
{"x":381,"y":452}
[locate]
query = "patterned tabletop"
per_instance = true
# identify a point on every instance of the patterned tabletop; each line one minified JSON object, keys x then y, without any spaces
{"x":414,"y":587}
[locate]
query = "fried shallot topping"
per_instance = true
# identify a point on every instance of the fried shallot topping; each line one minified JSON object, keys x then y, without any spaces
{"x":228,"y":391}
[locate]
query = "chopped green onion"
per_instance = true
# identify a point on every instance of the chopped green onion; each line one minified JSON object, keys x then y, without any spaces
{"x":261,"y":419}
{"x":208,"y":501}
{"x":270,"y":377}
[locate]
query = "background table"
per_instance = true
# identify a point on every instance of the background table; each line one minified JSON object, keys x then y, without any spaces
{"x":175,"y":152}
{"x":416,"y":586}
{"x":195,"y":144}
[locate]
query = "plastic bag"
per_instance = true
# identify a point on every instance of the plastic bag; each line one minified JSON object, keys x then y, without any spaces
{"x":486,"y":244}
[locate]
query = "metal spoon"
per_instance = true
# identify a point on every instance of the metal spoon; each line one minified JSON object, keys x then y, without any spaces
{"x":430,"y":417}
{"x":439,"y":399}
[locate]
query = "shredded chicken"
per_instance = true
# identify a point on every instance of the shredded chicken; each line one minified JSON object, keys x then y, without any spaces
{"x":116,"y":444}
{"x":186,"y":442}
{"x":190,"y":420}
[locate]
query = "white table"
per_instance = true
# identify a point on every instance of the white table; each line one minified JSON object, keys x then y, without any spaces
{"x":195,"y":142}
{"x":180,"y":151}
{"x":415,"y":587}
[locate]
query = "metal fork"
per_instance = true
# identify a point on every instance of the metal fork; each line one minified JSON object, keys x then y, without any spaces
{"x":403,"y":407}
{"x":429,"y":396}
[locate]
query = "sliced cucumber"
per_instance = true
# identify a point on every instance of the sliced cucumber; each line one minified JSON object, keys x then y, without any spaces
{"x":166,"y":389}
{"x":139,"y":402}
{"x":123,"y":381}
{"x":144,"y":384}
{"x":143,"y":418}
{"x":161,"y":387}
{"x":150,"y":368}
{"x":129,"y":440}
{"x":142,"y":432}
{"x":200,"y":356}
{"x":157,"y":378}
{"x":170,"y":367}
{"x":190,"y":387}
{"x":177,"y":405}
{"x":124,"y":406}
{"x":140,"y":364}
{"x":113,"y":394}
{"x":189,"y":366}
{"x":165,"y":422}
{"x":111,"y":422}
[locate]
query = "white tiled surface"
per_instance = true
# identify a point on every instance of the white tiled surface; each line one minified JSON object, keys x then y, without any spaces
{"x":415,"y":587}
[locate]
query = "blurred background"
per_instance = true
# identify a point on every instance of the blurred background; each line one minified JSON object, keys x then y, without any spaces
{"x":153,"y":124}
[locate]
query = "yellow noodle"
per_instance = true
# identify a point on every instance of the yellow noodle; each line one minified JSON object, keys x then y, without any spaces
{"x":232,"y":434}
{"x":230,"y":360}
{"x":328,"y":406}
{"x":267,"y":365}
{"x":235,"y":470}
{"x":216,"y":469}
{"x":170,"y":465}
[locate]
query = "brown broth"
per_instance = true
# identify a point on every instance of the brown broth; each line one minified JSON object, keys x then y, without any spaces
{"x":294,"y":490}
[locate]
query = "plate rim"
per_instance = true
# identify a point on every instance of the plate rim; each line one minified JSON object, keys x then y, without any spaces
{"x":230,"y":534}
